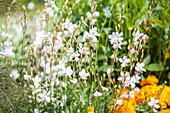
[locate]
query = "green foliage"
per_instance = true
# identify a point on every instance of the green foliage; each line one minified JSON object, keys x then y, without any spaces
{"x":154,"y":67}
{"x":11,"y":93}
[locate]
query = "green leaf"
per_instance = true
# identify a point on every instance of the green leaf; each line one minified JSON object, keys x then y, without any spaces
{"x":107,"y":30}
{"x":101,"y":57}
{"x":147,"y":60}
{"x":154,"y":67}
{"x":159,"y":22}
{"x":167,"y":16}
{"x":103,"y":68}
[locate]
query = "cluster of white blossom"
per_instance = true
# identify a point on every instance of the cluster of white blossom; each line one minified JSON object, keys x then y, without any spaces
{"x":6,"y":46}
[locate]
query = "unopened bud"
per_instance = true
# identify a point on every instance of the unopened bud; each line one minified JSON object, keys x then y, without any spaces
{"x":23,"y":7}
{"x":147,"y":38}
{"x":115,"y":86}
{"x":123,"y":6}
{"x":82,"y":18}
{"x":140,"y":46}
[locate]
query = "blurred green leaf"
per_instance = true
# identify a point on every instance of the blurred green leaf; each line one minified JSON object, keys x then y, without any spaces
{"x":107,"y":30}
{"x":103,"y":68}
{"x":147,"y":60}
{"x":159,"y":22}
{"x":154,"y":67}
{"x":101,"y":57}
{"x":167,"y":16}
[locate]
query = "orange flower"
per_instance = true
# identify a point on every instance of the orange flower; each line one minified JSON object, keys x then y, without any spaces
{"x":146,"y":92}
{"x":165,"y":111}
{"x":164,"y":98}
{"x":150,"y":80}
{"x":127,"y":107}
{"x":90,"y":109}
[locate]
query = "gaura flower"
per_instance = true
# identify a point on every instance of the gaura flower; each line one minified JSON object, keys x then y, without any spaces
{"x":154,"y":103}
{"x":97,"y":94}
{"x":124,"y":61}
{"x":139,"y":67}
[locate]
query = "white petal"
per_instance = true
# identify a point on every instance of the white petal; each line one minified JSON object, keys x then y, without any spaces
{"x":150,"y":104}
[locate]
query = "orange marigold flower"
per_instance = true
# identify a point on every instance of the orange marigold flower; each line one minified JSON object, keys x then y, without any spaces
{"x":127,"y":107}
{"x":150,"y":80}
{"x":165,"y":111}
{"x":164,"y":96}
{"x":146,"y":92}
{"x":90,"y":109}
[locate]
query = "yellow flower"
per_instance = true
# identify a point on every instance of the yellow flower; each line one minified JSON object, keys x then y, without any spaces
{"x":90,"y":109}
{"x":150,"y":80}
{"x":164,"y":97}
{"x":165,"y":111}
{"x":146,"y":92}
{"x":127,"y":107}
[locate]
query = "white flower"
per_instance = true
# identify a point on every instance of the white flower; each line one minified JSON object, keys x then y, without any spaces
{"x":93,"y":21}
{"x":36,"y":111}
{"x":124,"y":61}
{"x":104,"y":88}
{"x":109,"y":71}
{"x":119,"y":102}
{"x":7,"y":51}
{"x":154,"y":103}
{"x":85,"y":36}
{"x":64,"y":85}
{"x":62,"y":104}
{"x":54,"y":6}
{"x":125,"y":95}
{"x":132,"y":51}
{"x":96,"y":13}
{"x":137,"y":89}
{"x":139,"y":67}
{"x":83,"y":74}
{"x":64,"y":98}
{"x":27,"y":77}
{"x":133,"y":80}
{"x":57,"y":81}
{"x":69,"y":25}
{"x":31,"y":5}
{"x":137,"y":35}
{"x":89,"y":15}
{"x":36,"y":81}
{"x":116,"y":40}
{"x":136,"y":78}
{"x":93,"y":34}
{"x":50,"y":11}
{"x":143,"y":38}
{"x":131,"y":94}
{"x":69,"y":71}
{"x":14,"y":74}
{"x":124,"y":77}
{"x":74,"y":81}
{"x":6,"y":35}
{"x":97,"y":94}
